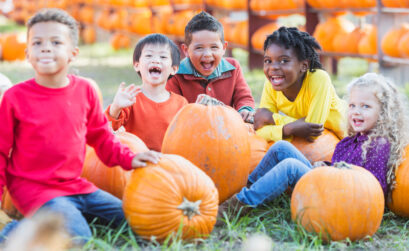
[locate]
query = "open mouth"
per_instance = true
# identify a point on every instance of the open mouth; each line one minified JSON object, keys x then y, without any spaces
{"x":276,"y":80}
{"x":207,"y":65}
{"x":155,"y":71}
{"x":358,"y":122}
{"x":45,"y":60}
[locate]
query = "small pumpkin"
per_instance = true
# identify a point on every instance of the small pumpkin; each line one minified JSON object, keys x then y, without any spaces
{"x":340,"y":202}
{"x":215,"y":138}
{"x":111,"y":179}
{"x":390,"y":42}
{"x":321,"y":149}
{"x":174,"y":194}
{"x":89,"y":35}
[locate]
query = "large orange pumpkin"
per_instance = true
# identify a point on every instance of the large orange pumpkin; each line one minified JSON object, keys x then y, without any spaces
{"x":14,"y":46}
{"x":403,"y":45}
{"x":174,"y":194}
{"x":258,"y":38}
{"x":321,"y":149}
{"x":368,"y":43}
{"x":339,"y":202}
{"x":399,"y":203}
{"x":258,"y":149}
{"x":326,"y":31}
{"x":111,"y":179}
{"x":215,"y":138}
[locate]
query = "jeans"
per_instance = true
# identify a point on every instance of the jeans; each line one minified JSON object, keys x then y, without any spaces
{"x":282,"y":166}
{"x":73,"y":208}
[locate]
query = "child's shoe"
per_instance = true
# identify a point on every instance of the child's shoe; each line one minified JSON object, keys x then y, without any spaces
{"x":231,"y":206}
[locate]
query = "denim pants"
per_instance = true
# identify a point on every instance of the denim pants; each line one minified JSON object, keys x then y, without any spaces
{"x":282,"y":166}
{"x":97,"y":204}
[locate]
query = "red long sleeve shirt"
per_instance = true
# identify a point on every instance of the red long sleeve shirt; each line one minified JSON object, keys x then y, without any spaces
{"x":47,"y":130}
{"x":230,"y":88}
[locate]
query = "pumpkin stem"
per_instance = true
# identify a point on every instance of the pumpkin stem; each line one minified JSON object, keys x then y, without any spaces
{"x":342,"y":165}
{"x":204,"y":99}
{"x":189,"y":208}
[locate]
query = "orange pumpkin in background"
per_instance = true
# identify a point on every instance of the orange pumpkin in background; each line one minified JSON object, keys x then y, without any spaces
{"x":403,"y":45}
{"x":368,"y":43}
{"x":89,"y":35}
{"x":13,"y":46}
{"x":140,"y":22}
{"x":120,"y":41}
{"x":325,"y":32}
{"x":215,"y":138}
{"x":173,"y":195}
{"x":338,"y":202}
{"x":390,"y":41}
{"x":111,"y":179}
{"x":258,"y":38}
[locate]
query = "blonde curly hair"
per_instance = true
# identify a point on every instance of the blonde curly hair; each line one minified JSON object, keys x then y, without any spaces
{"x":392,"y":123}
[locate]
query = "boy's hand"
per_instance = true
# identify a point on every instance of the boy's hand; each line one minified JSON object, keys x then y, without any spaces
{"x":141,"y":158}
{"x":263,"y":117}
{"x":124,"y":97}
{"x":247,"y":116}
{"x":319,"y":163}
{"x":303,"y":129}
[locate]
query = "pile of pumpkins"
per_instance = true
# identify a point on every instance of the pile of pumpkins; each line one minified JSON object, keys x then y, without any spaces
{"x":337,"y":34}
{"x":357,"y":4}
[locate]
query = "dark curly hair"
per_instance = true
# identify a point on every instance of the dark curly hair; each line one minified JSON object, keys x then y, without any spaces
{"x":203,"y":21}
{"x":304,"y":44}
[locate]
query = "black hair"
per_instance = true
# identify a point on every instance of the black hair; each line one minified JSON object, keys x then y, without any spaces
{"x":55,"y":15}
{"x":203,"y":21}
{"x":304,"y":45}
{"x":161,"y":39}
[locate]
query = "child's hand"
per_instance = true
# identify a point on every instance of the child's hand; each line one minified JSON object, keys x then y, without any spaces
{"x":263,"y":117}
{"x":247,"y":116}
{"x":124,"y":97}
{"x":303,"y":129}
{"x":141,"y":158}
{"x":319,"y":163}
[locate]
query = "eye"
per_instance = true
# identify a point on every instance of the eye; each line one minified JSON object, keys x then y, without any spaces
{"x":267,"y":61}
{"x":366,"y":106}
{"x":283,"y":61}
{"x":164,"y":57}
{"x":56,"y":42}
{"x":351,"y":105}
{"x":36,"y":43}
{"x":215,"y":47}
{"x":148,"y":55}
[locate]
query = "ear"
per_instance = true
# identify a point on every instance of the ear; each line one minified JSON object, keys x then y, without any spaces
{"x":225,"y":45}
{"x":136,"y":66}
{"x":305,"y":66}
{"x":175,"y":69}
{"x":185,"y":48}
{"x":74,"y":53}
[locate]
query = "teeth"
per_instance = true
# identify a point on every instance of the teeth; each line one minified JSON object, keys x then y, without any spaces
{"x":46,"y":60}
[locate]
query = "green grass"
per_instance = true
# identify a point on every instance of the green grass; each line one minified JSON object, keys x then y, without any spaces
{"x":109,"y":68}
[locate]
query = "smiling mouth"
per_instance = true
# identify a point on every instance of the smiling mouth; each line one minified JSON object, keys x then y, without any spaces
{"x":358,"y":122}
{"x":207,"y":65}
{"x":45,"y":60}
{"x":155,"y":71}
{"x":276,"y":80}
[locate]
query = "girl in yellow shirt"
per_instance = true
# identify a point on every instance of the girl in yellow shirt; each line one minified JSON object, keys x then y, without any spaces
{"x":299,"y":98}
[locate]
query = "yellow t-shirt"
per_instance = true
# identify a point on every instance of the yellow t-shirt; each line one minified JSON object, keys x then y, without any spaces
{"x":317,"y":101}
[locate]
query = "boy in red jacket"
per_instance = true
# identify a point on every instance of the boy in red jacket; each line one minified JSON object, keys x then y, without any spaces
{"x":46,"y":123}
{"x":205,"y":71}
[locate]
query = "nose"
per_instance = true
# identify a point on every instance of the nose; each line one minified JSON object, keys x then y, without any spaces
{"x":46,"y":47}
{"x":207,"y":52}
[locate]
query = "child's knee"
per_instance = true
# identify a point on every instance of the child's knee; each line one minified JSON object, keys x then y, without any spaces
{"x":281,"y":145}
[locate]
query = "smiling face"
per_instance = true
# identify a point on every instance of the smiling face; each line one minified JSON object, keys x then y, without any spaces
{"x":205,"y":51}
{"x":50,"y":49}
{"x":363,"y":110}
{"x":283,"y":69}
{"x":155,"y":64}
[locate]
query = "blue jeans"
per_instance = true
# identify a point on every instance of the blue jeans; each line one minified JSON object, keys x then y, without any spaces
{"x":97,"y":204}
{"x":282,"y":166}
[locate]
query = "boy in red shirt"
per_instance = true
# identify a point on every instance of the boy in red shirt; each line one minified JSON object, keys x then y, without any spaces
{"x":205,"y":71}
{"x":147,"y":110}
{"x":46,"y":123}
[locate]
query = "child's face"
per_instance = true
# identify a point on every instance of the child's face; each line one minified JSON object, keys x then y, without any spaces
{"x":205,"y":51}
{"x":282,"y":67}
{"x":50,"y":48}
{"x":155,"y":64}
{"x":363,"y":109}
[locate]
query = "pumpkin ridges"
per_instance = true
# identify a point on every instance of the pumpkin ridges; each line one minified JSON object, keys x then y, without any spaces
{"x":140,"y":195}
{"x":399,"y":202}
{"x":209,"y":140}
{"x":342,"y":213}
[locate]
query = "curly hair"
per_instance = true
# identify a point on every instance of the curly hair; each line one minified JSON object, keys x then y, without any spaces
{"x":55,"y":15}
{"x":304,"y":44}
{"x":392,"y":123}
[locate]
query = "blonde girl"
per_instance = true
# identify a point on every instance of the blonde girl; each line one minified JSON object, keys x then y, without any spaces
{"x":390,"y":125}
